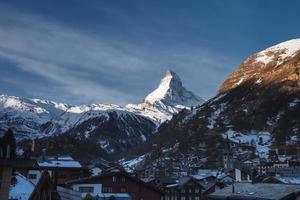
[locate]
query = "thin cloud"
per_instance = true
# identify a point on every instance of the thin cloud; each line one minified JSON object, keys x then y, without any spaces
{"x":94,"y":68}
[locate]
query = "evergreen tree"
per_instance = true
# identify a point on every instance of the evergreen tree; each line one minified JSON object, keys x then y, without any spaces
{"x":9,"y":139}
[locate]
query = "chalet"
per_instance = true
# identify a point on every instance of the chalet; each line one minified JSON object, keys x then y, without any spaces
{"x":23,"y":189}
{"x":63,"y":168}
{"x":191,"y":187}
{"x":46,"y":190}
{"x":185,"y":188}
{"x":100,"y":167}
{"x":258,"y":191}
{"x":116,"y":182}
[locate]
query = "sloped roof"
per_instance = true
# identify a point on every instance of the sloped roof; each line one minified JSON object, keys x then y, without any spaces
{"x":21,"y":189}
{"x":60,"y":162}
{"x":258,"y":191}
{"x":283,"y":180}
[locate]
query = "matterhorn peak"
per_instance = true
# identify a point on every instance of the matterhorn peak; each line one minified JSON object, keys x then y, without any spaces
{"x":172,"y":93}
{"x":170,"y":82}
{"x":167,"y":99}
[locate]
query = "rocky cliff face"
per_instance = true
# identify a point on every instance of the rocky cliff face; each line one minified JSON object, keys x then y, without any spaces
{"x":257,"y":105}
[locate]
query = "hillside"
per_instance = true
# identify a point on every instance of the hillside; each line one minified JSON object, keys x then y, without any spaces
{"x":257,"y":105}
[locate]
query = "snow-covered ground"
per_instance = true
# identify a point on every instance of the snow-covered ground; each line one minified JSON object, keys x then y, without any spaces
{"x":129,"y":165}
{"x":261,"y":140}
{"x":284,"y":49}
{"x":215,"y":115}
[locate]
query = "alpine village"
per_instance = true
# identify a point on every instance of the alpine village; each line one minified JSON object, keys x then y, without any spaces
{"x":241,"y":144}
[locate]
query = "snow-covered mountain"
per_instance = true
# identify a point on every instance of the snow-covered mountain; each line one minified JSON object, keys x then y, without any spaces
{"x":168,"y":99}
{"x":109,"y":127}
{"x":257,"y":107}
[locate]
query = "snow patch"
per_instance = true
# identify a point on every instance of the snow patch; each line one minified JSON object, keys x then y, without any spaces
{"x":294,"y":103}
{"x":285,"y":50}
{"x":215,"y":115}
{"x":261,"y":140}
{"x":129,"y":165}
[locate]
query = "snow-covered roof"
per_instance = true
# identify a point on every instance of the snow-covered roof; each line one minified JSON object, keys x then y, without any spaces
{"x":61,"y":162}
{"x":22,"y":189}
{"x":245,"y":190}
{"x":288,"y":180}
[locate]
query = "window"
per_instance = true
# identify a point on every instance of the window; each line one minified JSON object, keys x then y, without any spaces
{"x":197,"y":190}
{"x":182,"y":190}
{"x":123,"y":179}
{"x":182,"y":198}
{"x":190,"y":190}
{"x":86,"y":189}
{"x":123,"y":190}
{"x":107,"y":189}
{"x":114,"y":179}
{"x":32,"y":176}
{"x":197,"y":198}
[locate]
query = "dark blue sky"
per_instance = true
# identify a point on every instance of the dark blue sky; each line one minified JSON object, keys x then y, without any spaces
{"x":115,"y":51}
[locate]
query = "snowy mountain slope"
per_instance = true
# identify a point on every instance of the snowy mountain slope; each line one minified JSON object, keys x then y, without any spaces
{"x":267,"y":67}
{"x":257,"y":106}
{"x":171,"y":92}
{"x":33,"y":118}
{"x":109,"y":127}
{"x":168,"y":99}
{"x":26,"y":116}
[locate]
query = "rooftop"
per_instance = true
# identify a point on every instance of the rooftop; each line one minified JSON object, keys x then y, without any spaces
{"x":259,"y":191}
{"x":62,"y":162}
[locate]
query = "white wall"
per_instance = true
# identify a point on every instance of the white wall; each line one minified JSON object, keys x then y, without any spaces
{"x":97,"y":188}
{"x":238,"y":175}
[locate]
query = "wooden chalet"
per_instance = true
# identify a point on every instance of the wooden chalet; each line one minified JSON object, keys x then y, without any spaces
{"x":116,"y":182}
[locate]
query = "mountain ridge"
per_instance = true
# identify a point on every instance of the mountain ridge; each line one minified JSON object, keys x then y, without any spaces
{"x":114,"y":128}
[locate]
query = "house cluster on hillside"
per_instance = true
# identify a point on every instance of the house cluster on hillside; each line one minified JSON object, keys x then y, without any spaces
{"x":63,"y":178}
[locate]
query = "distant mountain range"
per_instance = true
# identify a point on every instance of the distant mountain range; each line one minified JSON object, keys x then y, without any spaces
{"x":257,"y":105}
{"x":108,"y":128}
